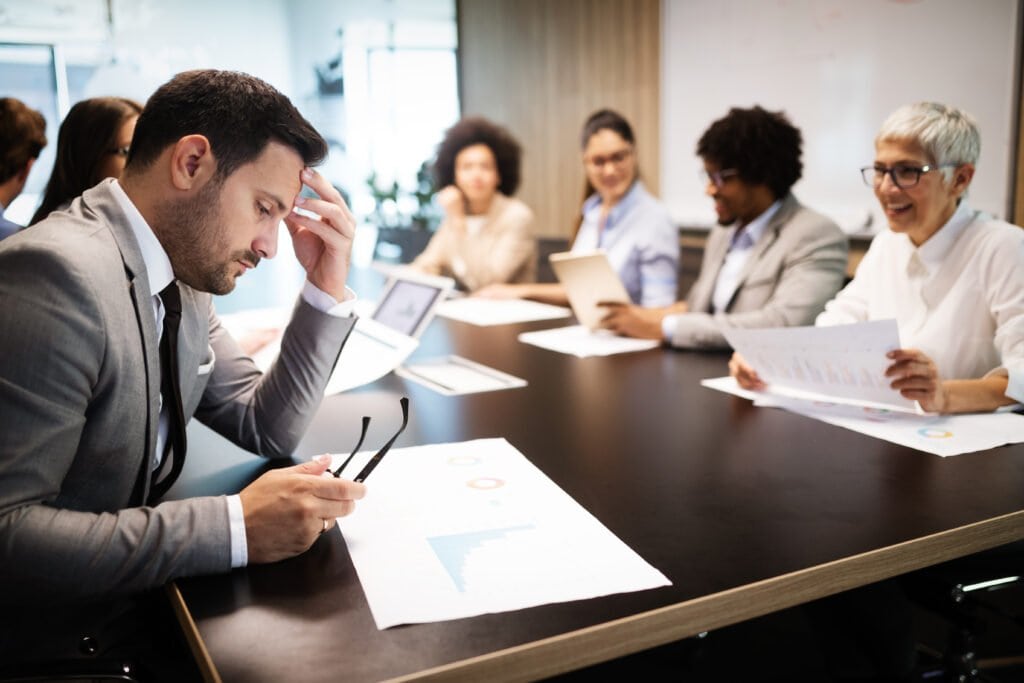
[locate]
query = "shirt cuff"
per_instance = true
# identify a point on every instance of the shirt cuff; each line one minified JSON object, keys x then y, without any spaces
{"x":325,"y":303}
{"x":1015,"y":384}
{"x":668,"y":326}
{"x":239,"y":543}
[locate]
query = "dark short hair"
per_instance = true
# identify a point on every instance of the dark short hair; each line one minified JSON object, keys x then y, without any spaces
{"x":603,"y":119}
{"x":87,"y":134}
{"x":476,"y":130}
{"x":22,"y":136}
{"x":238,"y":113}
{"x":763,"y":146}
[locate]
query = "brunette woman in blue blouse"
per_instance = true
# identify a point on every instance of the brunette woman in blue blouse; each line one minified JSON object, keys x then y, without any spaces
{"x":620,"y":217}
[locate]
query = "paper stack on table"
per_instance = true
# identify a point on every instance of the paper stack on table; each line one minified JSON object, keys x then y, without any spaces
{"x":456,"y":530}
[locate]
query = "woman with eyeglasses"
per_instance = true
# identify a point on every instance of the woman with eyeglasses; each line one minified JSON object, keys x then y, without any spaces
{"x":487,"y":234}
{"x":92,"y":144}
{"x":952,"y":277}
{"x":618,"y":216}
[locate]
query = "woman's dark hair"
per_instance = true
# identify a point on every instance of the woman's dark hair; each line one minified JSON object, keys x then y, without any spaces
{"x":87,"y":135}
{"x":476,"y":130}
{"x":606,"y":119}
{"x":602,"y":119}
{"x":763,"y":146}
{"x":238,"y":113}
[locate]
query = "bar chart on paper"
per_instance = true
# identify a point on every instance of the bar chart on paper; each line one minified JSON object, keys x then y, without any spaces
{"x":455,"y":551}
{"x":455,"y":530}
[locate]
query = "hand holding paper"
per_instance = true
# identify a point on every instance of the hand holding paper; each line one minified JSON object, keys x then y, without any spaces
{"x":844,"y":363}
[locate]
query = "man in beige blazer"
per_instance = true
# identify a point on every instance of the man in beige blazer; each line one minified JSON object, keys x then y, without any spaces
{"x":770,"y":262}
{"x":217,"y":162}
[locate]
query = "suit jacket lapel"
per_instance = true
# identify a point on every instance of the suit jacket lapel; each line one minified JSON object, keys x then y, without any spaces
{"x":717,"y":246}
{"x":102,"y":203}
{"x":768,"y":237}
{"x":192,"y":342}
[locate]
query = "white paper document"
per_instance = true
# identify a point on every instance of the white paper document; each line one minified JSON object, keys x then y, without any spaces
{"x":577,"y":340}
{"x":486,"y":312}
{"x":842,"y":363}
{"x":455,"y":375}
{"x":371,"y":351}
{"x":943,"y":435}
{"x":456,"y":530}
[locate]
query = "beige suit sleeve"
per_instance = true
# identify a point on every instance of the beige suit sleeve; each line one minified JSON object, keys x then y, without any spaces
{"x":436,"y":259}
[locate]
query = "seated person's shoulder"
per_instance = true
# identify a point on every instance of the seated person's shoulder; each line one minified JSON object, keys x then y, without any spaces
{"x":71,"y":248}
{"x":516,"y":209}
{"x":811,"y":221}
{"x":995,"y":241}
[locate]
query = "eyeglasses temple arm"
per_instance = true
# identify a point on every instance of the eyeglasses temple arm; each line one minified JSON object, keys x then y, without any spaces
{"x":366,"y":423}
{"x":383,"y":451}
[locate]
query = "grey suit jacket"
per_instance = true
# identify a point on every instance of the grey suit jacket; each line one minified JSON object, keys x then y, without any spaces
{"x":79,"y":402}
{"x":794,"y":269}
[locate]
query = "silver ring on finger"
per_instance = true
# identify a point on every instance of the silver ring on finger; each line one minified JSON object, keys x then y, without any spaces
{"x":326,"y":524}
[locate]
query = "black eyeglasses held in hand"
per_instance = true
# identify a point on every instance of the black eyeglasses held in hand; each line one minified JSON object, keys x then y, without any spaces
{"x":365,"y":472}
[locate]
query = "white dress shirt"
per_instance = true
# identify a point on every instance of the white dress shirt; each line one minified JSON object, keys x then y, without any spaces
{"x":959,"y":297}
{"x":1015,"y":384}
{"x":159,"y":274}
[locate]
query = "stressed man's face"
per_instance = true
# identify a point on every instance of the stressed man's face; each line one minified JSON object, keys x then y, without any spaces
{"x":229,"y":224}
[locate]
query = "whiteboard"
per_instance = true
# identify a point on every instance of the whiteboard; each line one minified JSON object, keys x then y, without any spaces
{"x":837,"y":68}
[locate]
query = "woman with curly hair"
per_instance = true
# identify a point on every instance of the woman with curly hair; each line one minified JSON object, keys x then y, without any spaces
{"x":92,"y":144}
{"x":487,"y":235}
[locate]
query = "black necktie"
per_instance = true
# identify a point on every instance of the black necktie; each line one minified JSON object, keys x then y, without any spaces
{"x":170,"y":389}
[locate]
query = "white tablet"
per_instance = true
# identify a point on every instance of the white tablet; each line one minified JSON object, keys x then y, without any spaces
{"x":410,"y":300}
{"x":588,"y":278}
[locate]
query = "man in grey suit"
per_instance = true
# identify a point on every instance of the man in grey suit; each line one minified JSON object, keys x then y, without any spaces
{"x":217,"y":162}
{"x":770,"y":261}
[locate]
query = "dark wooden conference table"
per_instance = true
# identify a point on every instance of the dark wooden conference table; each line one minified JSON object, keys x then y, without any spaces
{"x":746,"y":510}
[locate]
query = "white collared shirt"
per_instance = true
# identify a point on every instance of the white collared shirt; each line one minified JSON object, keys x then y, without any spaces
{"x":159,"y":274}
{"x":959,"y":297}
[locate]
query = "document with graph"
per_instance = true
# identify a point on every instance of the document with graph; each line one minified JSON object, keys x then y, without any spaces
{"x":455,"y":530}
{"x":842,"y":363}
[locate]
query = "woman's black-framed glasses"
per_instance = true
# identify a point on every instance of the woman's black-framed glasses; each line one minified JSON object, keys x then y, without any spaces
{"x":365,"y":472}
{"x":904,"y":176}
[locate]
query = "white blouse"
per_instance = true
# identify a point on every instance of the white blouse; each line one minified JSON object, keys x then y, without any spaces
{"x":959,"y":297}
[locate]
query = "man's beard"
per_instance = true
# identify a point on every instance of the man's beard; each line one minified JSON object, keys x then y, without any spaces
{"x":193,"y":235}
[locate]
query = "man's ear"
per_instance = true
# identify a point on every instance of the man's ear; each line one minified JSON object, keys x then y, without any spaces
{"x":192,"y":162}
{"x":23,"y":173}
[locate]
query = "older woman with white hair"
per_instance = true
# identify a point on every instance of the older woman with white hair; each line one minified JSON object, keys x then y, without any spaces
{"x":952,"y":277}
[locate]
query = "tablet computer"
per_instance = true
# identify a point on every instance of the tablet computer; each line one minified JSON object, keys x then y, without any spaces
{"x":588,"y":278}
{"x":410,"y":300}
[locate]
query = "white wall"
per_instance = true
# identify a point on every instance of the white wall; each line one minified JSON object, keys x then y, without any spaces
{"x":838,"y":68}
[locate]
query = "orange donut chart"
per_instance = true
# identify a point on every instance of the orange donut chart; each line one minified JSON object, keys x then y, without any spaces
{"x":933,"y":433}
{"x":485,"y":483}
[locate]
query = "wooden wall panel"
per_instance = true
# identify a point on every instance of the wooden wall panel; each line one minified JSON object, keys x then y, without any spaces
{"x":540,"y":67}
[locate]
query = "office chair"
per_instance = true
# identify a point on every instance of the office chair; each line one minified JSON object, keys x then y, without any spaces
{"x":975,"y":599}
{"x":131,"y":640}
